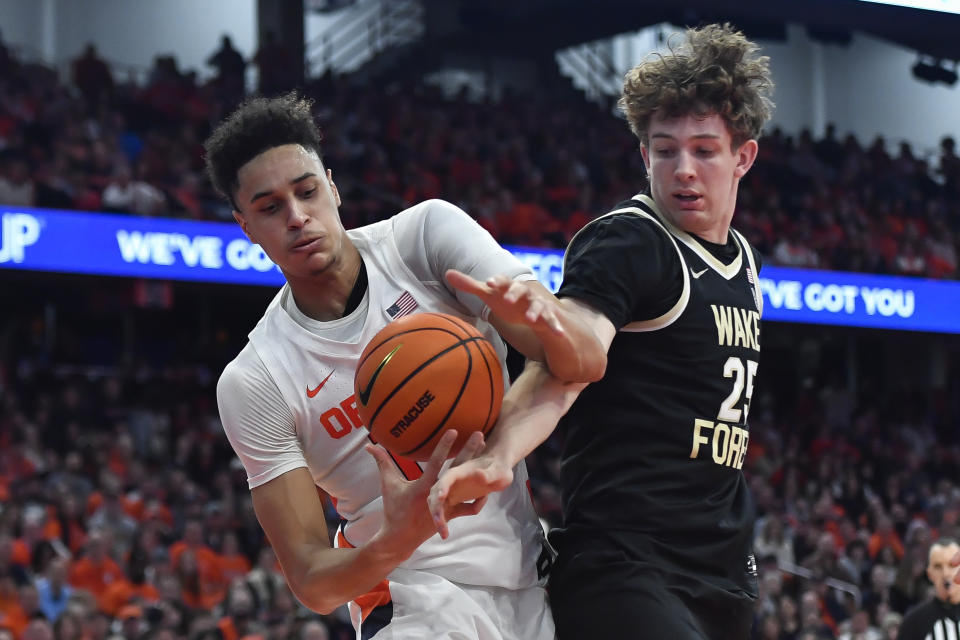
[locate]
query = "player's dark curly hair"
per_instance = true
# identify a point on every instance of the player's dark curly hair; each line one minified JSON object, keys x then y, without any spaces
{"x":257,"y":125}
{"x":715,"y":70}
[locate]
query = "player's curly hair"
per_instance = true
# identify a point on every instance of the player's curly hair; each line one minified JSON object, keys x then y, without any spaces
{"x":715,"y":70}
{"x":257,"y":125}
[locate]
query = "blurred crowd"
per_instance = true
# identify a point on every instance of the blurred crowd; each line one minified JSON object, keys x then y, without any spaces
{"x":124,"y":514}
{"x":532,"y":168}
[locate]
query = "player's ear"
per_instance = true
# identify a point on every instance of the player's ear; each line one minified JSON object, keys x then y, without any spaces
{"x":746,"y":154}
{"x":333,"y":187}
{"x":242,"y":221}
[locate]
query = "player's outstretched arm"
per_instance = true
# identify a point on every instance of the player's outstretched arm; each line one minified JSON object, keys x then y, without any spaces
{"x":323,"y":578}
{"x":538,"y":325}
{"x":531,"y":409}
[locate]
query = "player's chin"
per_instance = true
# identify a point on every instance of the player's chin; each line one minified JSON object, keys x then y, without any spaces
{"x":313,"y":263}
{"x":691,"y":220}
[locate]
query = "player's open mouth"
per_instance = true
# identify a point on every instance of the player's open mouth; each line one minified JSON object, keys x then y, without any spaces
{"x":688,"y":200}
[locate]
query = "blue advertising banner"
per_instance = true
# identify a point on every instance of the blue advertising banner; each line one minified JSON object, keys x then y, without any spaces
{"x":824,"y":297}
{"x":169,"y":249}
{"x":118,"y":245}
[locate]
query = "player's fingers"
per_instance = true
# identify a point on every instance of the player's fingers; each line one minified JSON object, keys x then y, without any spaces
{"x":516,"y":292}
{"x":535,"y":311}
{"x":466,"y":508}
{"x":436,"y":502}
{"x":549,"y":317}
{"x":388,"y":470}
{"x":463,"y":282}
{"x":440,"y":453}
{"x":499,"y":283}
{"x":470,"y":449}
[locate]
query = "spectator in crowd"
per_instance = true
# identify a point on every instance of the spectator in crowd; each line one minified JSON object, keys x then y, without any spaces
{"x":17,"y":188}
{"x":94,"y":570}
{"x":126,"y":195}
{"x":92,"y":76}
{"x":53,"y":590}
{"x":231,"y":69}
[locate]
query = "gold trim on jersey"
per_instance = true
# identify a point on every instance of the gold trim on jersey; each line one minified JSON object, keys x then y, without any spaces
{"x":671,"y":315}
{"x":757,"y":291}
{"x":726,"y":271}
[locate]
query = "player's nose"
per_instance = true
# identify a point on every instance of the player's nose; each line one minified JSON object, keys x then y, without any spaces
{"x":297,"y":216}
{"x":685,"y":169}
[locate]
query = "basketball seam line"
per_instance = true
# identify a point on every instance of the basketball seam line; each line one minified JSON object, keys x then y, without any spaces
{"x":456,"y":401}
{"x":397,"y":387}
{"x":403,"y":333}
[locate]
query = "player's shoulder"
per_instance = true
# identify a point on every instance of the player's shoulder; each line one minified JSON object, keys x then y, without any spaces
{"x":426,"y":212}
{"x":630,"y":222}
{"x":245,"y":374}
{"x":757,"y":256}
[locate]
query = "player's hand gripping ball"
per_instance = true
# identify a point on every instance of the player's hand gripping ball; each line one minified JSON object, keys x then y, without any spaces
{"x":422,"y":375}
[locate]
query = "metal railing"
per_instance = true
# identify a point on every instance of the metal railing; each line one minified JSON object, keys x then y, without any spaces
{"x":369,"y":28}
{"x":590,"y":67}
{"x":839,"y":585}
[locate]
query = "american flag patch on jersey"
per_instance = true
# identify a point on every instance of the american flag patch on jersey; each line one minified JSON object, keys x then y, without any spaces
{"x":750,"y":276}
{"x":404,"y":305}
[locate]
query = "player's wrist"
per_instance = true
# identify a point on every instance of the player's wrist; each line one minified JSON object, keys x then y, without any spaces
{"x":388,"y":549}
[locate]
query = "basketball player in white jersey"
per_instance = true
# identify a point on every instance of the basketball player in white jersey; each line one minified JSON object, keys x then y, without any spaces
{"x":288,"y":408}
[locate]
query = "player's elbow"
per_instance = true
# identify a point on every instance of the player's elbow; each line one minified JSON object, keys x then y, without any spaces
{"x":595,"y":367}
{"x":317,"y":601}
{"x":324,"y":608}
{"x":314,"y":593}
{"x":580,"y":370}
{"x":591,"y":364}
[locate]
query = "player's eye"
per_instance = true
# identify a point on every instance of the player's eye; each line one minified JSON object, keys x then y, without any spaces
{"x":308,"y":193}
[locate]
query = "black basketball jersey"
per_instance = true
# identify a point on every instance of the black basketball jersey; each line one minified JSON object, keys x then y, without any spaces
{"x":653,"y":451}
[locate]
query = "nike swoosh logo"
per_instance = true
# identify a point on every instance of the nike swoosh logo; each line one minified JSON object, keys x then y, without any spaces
{"x":364,"y":394}
{"x":697,"y":274}
{"x":313,"y":392}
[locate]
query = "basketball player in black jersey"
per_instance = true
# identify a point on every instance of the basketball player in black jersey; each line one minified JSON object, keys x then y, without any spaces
{"x":656,"y":541}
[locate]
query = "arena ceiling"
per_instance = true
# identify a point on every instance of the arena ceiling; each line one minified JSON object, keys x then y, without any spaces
{"x":536,"y":25}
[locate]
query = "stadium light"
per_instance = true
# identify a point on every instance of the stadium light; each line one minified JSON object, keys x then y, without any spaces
{"x":935,"y":72}
{"x":946,"y":6}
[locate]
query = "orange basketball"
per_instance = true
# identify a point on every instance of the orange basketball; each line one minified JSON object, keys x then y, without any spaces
{"x":422,"y":375}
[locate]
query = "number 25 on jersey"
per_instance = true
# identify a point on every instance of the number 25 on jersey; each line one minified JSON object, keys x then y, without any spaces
{"x":727,"y":441}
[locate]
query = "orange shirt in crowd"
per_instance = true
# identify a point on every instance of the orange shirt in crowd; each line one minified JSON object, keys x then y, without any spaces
{"x":94,"y":576}
{"x":12,"y":615}
{"x":212,"y":587}
{"x":233,"y":566}
{"x":879,"y":541}
{"x":20,"y":554}
{"x":123,"y":592}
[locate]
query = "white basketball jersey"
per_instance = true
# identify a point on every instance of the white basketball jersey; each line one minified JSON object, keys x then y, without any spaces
{"x":498,"y":547}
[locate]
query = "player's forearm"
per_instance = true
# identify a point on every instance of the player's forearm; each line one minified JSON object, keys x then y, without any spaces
{"x":333,"y":577}
{"x":576,"y":355}
{"x":531,"y":409}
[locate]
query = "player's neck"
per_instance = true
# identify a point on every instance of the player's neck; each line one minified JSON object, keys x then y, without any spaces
{"x":324,"y":296}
